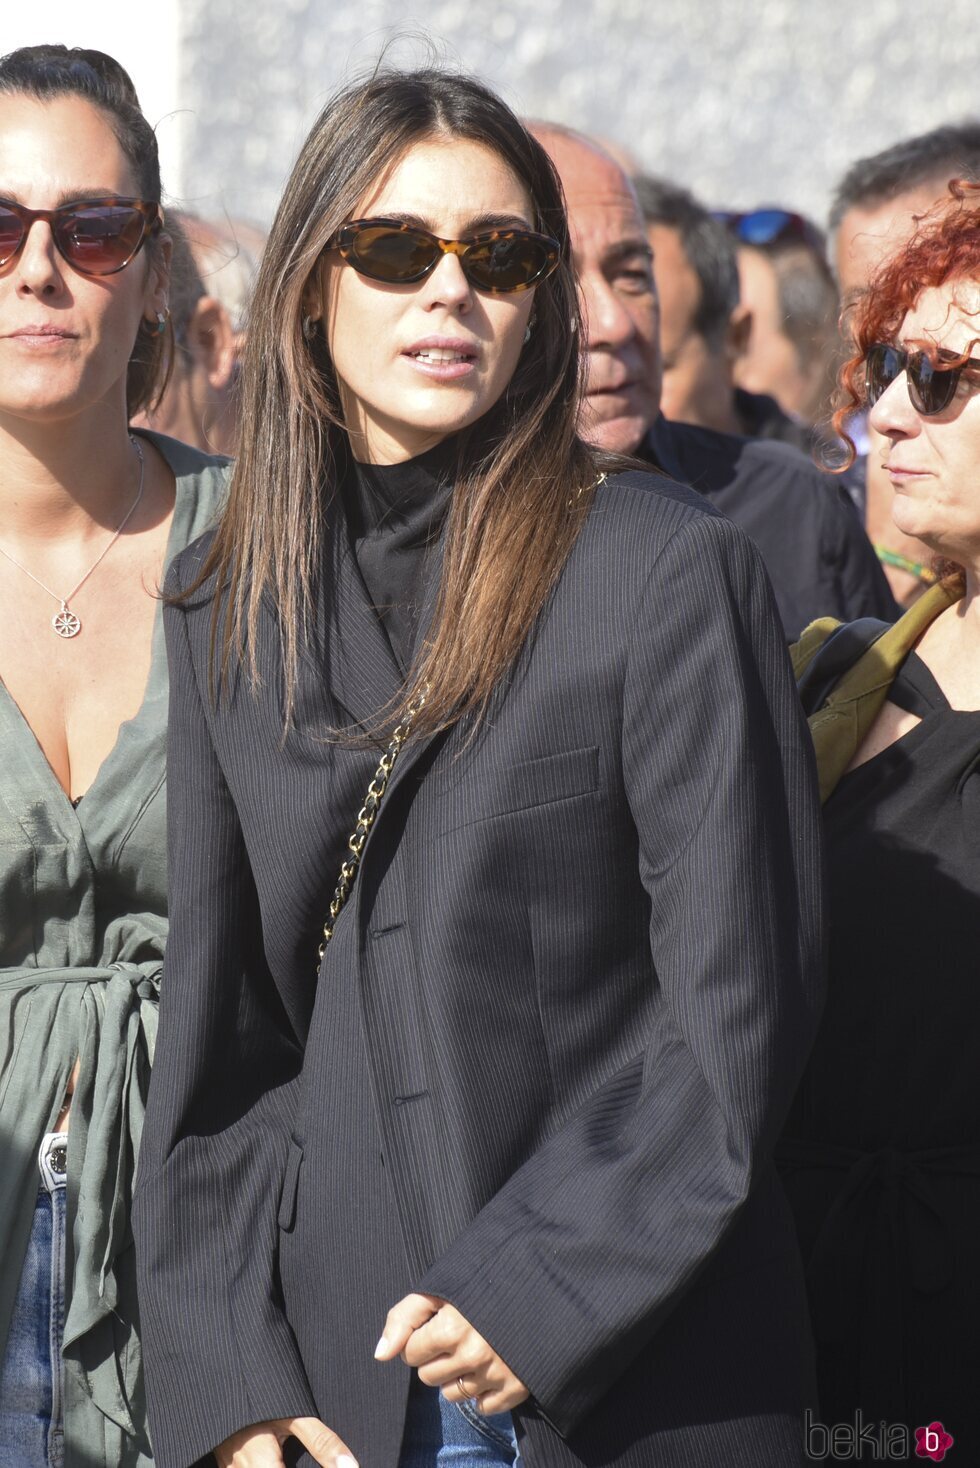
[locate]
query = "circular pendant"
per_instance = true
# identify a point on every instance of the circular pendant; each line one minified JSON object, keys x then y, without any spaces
{"x":65,"y":623}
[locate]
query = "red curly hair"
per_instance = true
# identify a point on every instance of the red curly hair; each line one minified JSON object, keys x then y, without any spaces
{"x":945,"y":247}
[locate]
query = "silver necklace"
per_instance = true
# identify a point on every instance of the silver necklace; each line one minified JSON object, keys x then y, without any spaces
{"x":65,"y":622}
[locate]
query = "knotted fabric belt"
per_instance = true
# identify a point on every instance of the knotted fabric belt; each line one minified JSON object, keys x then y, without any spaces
{"x":106,"y":1018}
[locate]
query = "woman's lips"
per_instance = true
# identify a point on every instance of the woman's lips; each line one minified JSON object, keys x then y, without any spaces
{"x":442,"y":359}
{"x":894,"y":472}
{"x":40,"y":336}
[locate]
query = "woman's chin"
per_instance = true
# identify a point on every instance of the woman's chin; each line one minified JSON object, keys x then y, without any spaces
{"x":423,"y":432}
{"x":936,"y":543}
{"x":917,"y":525}
{"x":40,"y":409}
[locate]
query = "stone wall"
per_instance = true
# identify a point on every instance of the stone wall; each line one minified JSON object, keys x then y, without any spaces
{"x":748,"y":101}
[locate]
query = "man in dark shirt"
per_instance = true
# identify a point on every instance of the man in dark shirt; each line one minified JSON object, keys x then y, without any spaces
{"x":818,"y":557}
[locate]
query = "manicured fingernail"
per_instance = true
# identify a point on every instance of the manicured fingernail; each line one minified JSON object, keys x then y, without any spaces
{"x":346,"y":1461}
{"x":380,"y":1349}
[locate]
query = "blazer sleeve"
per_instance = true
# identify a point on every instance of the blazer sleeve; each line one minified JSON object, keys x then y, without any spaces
{"x":572,"y":1267}
{"x":219,"y":1354}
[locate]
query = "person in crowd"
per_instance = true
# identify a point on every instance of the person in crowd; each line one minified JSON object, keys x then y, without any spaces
{"x":814,"y":548}
{"x":876,"y":204}
{"x":874,"y":210}
{"x":793,"y":349}
{"x":703,"y":327}
{"x":706,"y":329}
{"x":212,"y":275}
{"x":881,"y":1155}
{"x":89,"y":515}
{"x":517,"y":1122}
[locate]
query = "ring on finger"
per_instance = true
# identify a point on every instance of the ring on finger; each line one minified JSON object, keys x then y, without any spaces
{"x":466,"y":1394}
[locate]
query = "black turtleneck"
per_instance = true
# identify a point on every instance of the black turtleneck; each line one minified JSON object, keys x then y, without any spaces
{"x":395,"y":514}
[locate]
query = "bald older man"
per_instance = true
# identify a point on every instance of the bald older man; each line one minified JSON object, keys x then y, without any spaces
{"x":818,"y":557}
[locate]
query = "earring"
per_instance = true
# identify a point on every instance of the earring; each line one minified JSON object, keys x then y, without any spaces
{"x":309,"y":328}
{"x":159,"y":326}
{"x":530,"y":325}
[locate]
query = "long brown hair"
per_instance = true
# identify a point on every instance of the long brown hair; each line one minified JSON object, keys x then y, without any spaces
{"x":524,"y":479}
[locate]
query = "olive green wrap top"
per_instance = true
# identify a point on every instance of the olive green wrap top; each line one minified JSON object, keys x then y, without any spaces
{"x":83,"y":924}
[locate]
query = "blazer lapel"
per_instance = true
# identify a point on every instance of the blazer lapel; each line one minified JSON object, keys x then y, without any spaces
{"x":415,"y":746}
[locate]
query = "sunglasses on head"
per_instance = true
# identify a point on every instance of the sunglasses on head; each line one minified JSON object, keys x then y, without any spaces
{"x":931,"y":382}
{"x":770,"y":227}
{"x":498,"y":262}
{"x":95,"y":236}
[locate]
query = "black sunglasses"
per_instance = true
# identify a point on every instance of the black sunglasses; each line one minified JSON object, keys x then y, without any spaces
{"x":770,"y":227}
{"x":499,"y":262}
{"x":95,"y":236}
{"x":931,"y":383}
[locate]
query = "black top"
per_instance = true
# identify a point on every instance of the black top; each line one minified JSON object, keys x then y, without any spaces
{"x":395,"y":514}
{"x":882,"y":1149}
{"x":820,"y":561}
{"x":760,"y":416}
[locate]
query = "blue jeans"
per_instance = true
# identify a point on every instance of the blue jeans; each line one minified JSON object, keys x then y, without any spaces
{"x":31,"y":1400}
{"x":441,"y":1434}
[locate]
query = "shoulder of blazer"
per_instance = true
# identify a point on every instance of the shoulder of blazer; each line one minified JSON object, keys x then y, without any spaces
{"x":185,"y":568}
{"x":653,"y":496}
{"x":195,"y":612}
{"x":635,"y":516}
{"x":636,"y":512}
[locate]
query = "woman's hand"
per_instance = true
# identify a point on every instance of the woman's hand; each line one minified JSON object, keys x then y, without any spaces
{"x":259,"y":1446}
{"x":432,"y":1335}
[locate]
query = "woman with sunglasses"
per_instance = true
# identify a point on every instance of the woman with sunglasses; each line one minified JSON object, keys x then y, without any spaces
{"x":567,"y":963}
{"x":881,"y":1156}
{"x":89,"y":515}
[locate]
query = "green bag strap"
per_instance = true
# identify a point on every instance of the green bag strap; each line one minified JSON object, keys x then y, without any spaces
{"x":840,"y":726}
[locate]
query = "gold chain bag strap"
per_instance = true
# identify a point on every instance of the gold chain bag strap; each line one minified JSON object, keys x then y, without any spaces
{"x":365,"y":820}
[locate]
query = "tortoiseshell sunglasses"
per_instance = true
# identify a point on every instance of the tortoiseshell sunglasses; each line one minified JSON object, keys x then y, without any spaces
{"x":499,"y":262}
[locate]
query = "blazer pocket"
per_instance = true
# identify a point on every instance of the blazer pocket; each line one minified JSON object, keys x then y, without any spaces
{"x":510,"y":789}
{"x":290,"y":1186}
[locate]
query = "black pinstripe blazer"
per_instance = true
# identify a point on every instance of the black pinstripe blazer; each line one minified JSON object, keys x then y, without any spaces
{"x":549,"y":1047}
